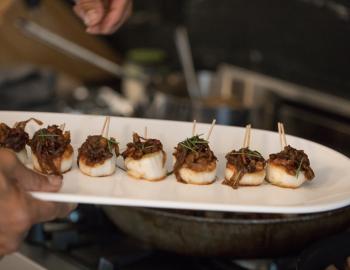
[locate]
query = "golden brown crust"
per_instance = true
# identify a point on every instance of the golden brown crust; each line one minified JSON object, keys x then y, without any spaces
{"x":83,"y":159}
{"x":199,"y":184}
{"x":56,"y":161}
{"x":283,"y":186}
{"x":233,"y":168}
{"x":294,"y":161}
{"x":104,"y":175}
{"x":142,"y":178}
{"x":208,"y":168}
{"x":97,"y":149}
{"x":140,"y":147}
{"x":194,"y":154}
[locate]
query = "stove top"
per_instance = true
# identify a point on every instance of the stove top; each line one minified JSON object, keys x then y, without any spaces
{"x":88,"y":240}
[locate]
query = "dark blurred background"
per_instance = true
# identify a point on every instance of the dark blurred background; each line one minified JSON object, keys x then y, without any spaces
{"x":255,"y":61}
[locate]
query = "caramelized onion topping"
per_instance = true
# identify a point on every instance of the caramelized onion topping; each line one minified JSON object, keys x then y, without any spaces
{"x":49,"y":144}
{"x":15,"y":138}
{"x":141,"y":146}
{"x":294,"y":161}
{"x":96,"y":149}
{"x":194,"y":153}
{"x":245,"y":161}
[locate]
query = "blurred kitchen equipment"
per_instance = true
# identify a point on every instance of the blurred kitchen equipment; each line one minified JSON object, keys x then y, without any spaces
{"x":141,"y":63}
{"x":184,"y":51}
{"x":307,"y":112}
{"x":117,"y":104}
{"x":225,"y":111}
{"x":257,"y":83}
{"x":330,"y":251}
{"x":201,"y":233}
{"x":34,"y":30}
{"x":27,"y":88}
{"x":204,"y":107}
{"x":172,"y":102}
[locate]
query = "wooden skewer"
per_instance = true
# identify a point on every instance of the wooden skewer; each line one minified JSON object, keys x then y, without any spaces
{"x":107,"y":127}
{"x":104,"y":126}
{"x":246,"y":141}
{"x":283,"y":140}
{"x":280,"y":134}
{"x":245,"y":137}
{"x":211,"y":129}
{"x":62,"y":126}
{"x":283,"y":135}
{"x":104,"y":132}
{"x":194,"y":127}
{"x":145,"y":132}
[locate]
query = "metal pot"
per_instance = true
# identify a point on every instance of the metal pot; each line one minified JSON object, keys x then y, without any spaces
{"x":227,"y":234}
{"x":170,"y":107}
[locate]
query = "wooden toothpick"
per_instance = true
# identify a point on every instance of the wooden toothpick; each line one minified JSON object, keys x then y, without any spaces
{"x":282,"y":135}
{"x":194,"y":127}
{"x":211,"y":129}
{"x":246,"y":141}
{"x":62,"y":126}
{"x":145,"y":132}
{"x":105,"y":128}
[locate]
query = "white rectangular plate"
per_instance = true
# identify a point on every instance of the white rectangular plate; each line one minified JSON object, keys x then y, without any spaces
{"x":329,"y":190}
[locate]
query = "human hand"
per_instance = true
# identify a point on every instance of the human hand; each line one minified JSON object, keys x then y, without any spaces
{"x":18,"y":209}
{"x":103,"y":16}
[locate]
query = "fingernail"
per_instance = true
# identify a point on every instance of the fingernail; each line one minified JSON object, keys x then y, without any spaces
{"x":90,"y":17}
{"x":72,"y":206}
{"x":91,"y":30}
{"x":55,"y":180}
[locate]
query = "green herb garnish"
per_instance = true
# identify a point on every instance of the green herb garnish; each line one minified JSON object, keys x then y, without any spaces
{"x":299,"y":168}
{"x":121,"y":168}
{"x":42,"y":135}
{"x":192,"y":143}
{"x":110,"y":143}
{"x":48,"y":135}
{"x":249,"y":153}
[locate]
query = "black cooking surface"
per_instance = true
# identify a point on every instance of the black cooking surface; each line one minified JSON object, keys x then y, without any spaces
{"x":89,"y":240}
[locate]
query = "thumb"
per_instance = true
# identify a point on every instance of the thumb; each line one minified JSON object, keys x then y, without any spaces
{"x":90,"y":11}
{"x":32,"y":181}
{"x":26,"y":178}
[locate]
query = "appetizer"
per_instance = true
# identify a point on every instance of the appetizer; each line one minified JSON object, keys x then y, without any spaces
{"x":194,"y":162}
{"x":145,"y":159}
{"x":52,"y":152}
{"x":289,"y":168}
{"x":97,"y":156}
{"x":16,"y":138}
{"x":244,"y":167}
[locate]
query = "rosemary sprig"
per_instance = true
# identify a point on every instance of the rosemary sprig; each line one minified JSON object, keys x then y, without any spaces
{"x":237,"y":179}
{"x":192,"y":143}
{"x":43,"y":135}
{"x":48,"y":135}
{"x":110,"y":143}
{"x":141,"y":146}
{"x":249,"y":153}
{"x":299,"y":168}
{"x":123,"y":169}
